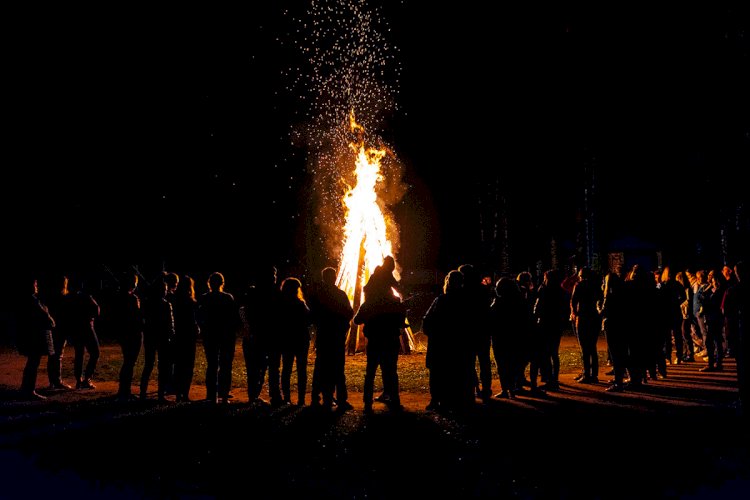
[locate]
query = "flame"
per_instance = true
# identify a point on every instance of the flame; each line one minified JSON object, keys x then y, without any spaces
{"x":365,"y":226}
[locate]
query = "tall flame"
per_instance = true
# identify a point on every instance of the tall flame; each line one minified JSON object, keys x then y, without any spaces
{"x":365,"y":241}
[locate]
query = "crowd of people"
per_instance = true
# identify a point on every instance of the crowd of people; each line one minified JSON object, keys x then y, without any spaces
{"x":650,"y":320}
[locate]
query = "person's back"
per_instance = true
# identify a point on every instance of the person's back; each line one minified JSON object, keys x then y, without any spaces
{"x":332,"y":315}
{"x":217,"y":313}
{"x":260,"y":348}
{"x":128,"y":323}
{"x":83,"y":313}
{"x":219,"y":322}
{"x":383,"y":317}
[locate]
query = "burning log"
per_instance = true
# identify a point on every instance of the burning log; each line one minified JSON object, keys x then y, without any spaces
{"x":352,"y":340}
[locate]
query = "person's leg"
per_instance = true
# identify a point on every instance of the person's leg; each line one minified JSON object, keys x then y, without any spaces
{"x":28,"y":382}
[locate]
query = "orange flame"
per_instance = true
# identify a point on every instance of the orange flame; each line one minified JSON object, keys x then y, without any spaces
{"x":365,"y":226}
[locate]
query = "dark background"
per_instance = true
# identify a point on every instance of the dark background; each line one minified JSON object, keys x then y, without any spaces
{"x":163,"y":134}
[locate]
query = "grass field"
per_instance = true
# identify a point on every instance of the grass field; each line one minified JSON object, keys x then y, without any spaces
{"x":413,"y":376}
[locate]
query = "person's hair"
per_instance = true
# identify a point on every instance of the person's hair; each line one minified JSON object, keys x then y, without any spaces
{"x":506,"y":287}
{"x":718,"y":276}
{"x":172,"y":280}
{"x":553,"y":278}
{"x":62,"y":285}
{"x":611,"y":283}
{"x":584,"y":273}
{"x":454,"y":280}
{"x":292,"y":287}
{"x":469,"y":272}
{"x":159,"y":288}
{"x":328,"y":275}
{"x":682,"y":279}
{"x":389,"y":264}
{"x":186,"y":287}
{"x":129,"y":281}
{"x":524,"y":278}
{"x":216,"y":282}
{"x":666,"y":274}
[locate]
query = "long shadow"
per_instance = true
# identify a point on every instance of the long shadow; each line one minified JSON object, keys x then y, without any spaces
{"x":575,"y":444}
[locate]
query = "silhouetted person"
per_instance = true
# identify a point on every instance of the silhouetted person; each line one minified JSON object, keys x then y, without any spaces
{"x":673,"y":296}
{"x":158,"y":337}
{"x":380,"y":283}
{"x":83,"y":314}
{"x":382,"y":280}
{"x":529,"y":337}
{"x":615,"y":325}
{"x":478,"y":300}
{"x":186,"y":330}
{"x":383,"y":316}
{"x":508,"y":321}
{"x":686,"y":310}
{"x":294,"y":338}
{"x":128,"y":327}
{"x":172,"y":280}
{"x":551,"y":311}
{"x":259,"y":306}
{"x":34,"y":339}
{"x":641,"y":322}
{"x":583,"y":302}
{"x":58,"y":302}
{"x":451,"y":348}
{"x":713,"y":297}
{"x":332,"y":315}
{"x":218,"y":316}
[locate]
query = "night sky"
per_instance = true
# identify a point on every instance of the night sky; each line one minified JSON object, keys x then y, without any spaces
{"x":165,"y":134}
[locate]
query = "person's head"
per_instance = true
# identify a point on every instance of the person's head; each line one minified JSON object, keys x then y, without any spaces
{"x":292,"y":288}
{"x":172,"y":280}
{"x":216,"y":282}
{"x":454,"y":281}
{"x":715,"y":278}
{"x":727,"y":272}
{"x":267,"y":277}
{"x":584,"y":274}
{"x":739,"y":270}
{"x":389,"y":264}
{"x":61,"y":285}
{"x":666,"y":274}
{"x":506,"y":287}
{"x":524,"y":280}
{"x":682,"y":279}
{"x":611,"y":283}
{"x":552,"y":278}
{"x":700,"y":275}
{"x":160,"y":289}
{"x":328,"y":275}
{"x":129,"y":282}
{"x":469,"y":273}
{"x":186,"y":287}
{"x":657,"y":277}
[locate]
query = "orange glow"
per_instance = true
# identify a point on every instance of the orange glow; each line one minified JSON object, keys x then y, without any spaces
{"x":365,"y":226}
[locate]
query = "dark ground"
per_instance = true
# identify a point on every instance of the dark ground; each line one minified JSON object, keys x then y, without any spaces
{"x":681,"y":437}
